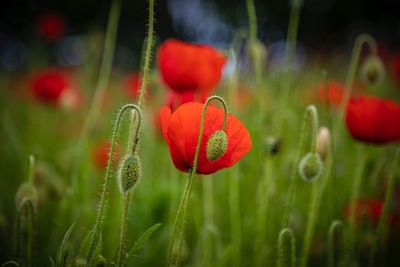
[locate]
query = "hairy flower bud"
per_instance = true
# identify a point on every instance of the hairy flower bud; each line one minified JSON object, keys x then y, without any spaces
{"x":372,"y":71}
{"x":216,"y":145}
{"x":323,"y":139}
{"x":130,"y":172}
{"x":310,"y":166}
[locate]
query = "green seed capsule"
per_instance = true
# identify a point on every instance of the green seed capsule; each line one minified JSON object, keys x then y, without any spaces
{"x":372,"y":71}
{"x":310,"y":166}
{"x":216,"y":145}
{"x":130,"y":172}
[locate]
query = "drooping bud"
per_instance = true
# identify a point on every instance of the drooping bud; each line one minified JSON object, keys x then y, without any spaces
{"x":372,"y":71}
{"x":130,"y":172}
{"x":24,"y":192}
{"x":216,"y":145}
{"x":310,"y":166}
{"x":323,"y":142}
{"x":272,"y":145}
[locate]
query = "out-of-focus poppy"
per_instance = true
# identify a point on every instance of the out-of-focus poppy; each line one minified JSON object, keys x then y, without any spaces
{"x":51,"y":26}
{"x":190,"y":67}
{"x":100,"y":154}
{"x":332,"y":95}
{"x":55,"y":87}
{"x":373,"y":120}
{"x":132,"y":84}
{"x":181,"y":129}
{"x":365,"y":209}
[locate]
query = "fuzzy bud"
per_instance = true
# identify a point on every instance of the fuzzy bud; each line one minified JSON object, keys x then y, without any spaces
{"x":323,"y":140}
{"x":130,"y":171}
{"x":310,"y":166}
{"x":216,"y":145}
{"x":372,"y":71}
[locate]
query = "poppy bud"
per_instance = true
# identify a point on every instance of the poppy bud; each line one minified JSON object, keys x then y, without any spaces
{"x":216,"y":145}
{"x":26,"y":191}
{"x":310,"y":166}
{"x":130,"y":172}
{"x":372,"y":71}
{"x":322,"y":144}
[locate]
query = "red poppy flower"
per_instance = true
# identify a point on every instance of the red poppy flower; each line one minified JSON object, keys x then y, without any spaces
{"x":48,"y":86}
{"x":373,"y":120}
{"x":181,"y":129}
{"x":365,"y":209}
{"x":190,"y":67}
{"x":333,"y":94}
{"x":51,"y":26}
{"x":174,"y":99}
{"x":132,"y":85}
{"x":100,"y":154}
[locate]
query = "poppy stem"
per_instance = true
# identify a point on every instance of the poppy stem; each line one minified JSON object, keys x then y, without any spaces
{"x":354,"y":61}
{"x":309,"y":128}
{"x":251,"y":11}
{"x":235,"y":218}
{"x":334,"y":228}
{"x":383,"y":218}
{"x":178,"y":232}
{"x":284,"y":258}
{"x":90,"y":256}
{"x":293,"y":27}
{"x":121,"y":260}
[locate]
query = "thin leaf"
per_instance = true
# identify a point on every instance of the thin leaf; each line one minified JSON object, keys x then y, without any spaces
{"x":62,"y":252}
{"x":142,"y":239}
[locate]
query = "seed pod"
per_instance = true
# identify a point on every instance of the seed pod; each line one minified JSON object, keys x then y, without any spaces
{"x":130,"y":172}
{"x":310,"y":166}
{"x":372,"y":71}
{"x":216,"y":145}
{"x":323,"y":140}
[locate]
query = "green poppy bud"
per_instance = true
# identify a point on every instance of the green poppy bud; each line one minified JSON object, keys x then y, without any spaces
{"x":310,"y":166}
{"x":130,"y":172}
{"x":216,"y":145}
{"x":372,"y":71}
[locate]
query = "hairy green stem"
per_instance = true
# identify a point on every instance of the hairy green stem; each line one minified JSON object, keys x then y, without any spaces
{"x":176,"y":245}
{"x":106,"y":187}
{"x":383,"y":217}
{"x":283,"y":258}
{"x":309,"y":128}
{"x":333,"y":228}
{"x":235,"y":219}
{"x":121,"y":260}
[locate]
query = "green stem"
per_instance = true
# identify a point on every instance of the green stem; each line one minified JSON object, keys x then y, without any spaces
{"x":292,"y":32}
{"x":208,"y":221}
{"x":309,"y":128}
{"x":351,"y":73}
{"x":334,"y":227}
{"x":251,"y":11}
{"x":235,"y":219}
{"x":383,"y":218}
{"x":177,"y":240}
{"x":31,"y":169}
{"x":283,"y":259}
{"x":121,"y":260}
{"x":27,"y":204}
{"x":106,"y":187}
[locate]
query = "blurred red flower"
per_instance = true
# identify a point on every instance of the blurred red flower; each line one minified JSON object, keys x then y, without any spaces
{"x":51,"y":26}
{"x":100,"y":154}
{"x":52,"y":86}
{"x":332,"y":95}
{"x":188,"y":67}
{"x":181,"y":129}
{"x":373,"y":120}
{"x":132,"y":84}
{"x":365,"y":209}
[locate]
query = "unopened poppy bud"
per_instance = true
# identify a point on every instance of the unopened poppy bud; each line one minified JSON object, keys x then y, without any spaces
{"x":26,"y":191}
{"x":130,"y":172}
{"x":310,"y":166}
{"x":216,"y":145}
{"x":372,"y":71}
{"x":323,"y":139}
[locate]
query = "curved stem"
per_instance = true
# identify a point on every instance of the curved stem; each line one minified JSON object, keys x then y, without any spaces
{"x":177,"y":240}
{"x":282,"y":252}
{"x":310,"y":120}
{"x":334,"y":227}
{"x":383,"y":218}
{"x":122,"y":249}
{"x":355,"y":57}
{"x":107,"y":179}
{"x":31,"y":169}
